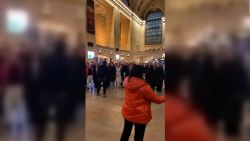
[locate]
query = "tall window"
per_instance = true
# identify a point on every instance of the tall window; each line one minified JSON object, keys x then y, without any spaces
{"x":153,"y":34}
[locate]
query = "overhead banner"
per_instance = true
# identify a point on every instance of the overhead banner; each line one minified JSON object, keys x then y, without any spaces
{"x":90,"y":17}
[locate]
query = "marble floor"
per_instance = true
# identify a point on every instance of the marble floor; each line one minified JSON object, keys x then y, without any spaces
{"x":105,"y":122}
{"x":75,"y":131}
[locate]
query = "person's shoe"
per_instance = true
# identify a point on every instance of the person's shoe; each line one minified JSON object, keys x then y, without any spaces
{"x":104,"y":95}
{"x":98,"y":94}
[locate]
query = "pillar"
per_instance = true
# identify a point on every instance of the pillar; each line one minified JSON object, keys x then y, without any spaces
{"x":117,"y":29}
{"x":110,"y":26}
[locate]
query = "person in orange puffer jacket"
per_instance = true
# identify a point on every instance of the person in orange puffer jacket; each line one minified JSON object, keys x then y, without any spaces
{"x":136,"y":109}
{"x":183,"y":121}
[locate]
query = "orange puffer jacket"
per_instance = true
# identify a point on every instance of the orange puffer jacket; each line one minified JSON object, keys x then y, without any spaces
{"x":183,"y":123}
{"x":138,"y":98}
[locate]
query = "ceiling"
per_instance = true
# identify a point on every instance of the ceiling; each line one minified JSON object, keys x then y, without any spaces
{"x":101,"y":8}
{"x":141,"y":7}
{"x":180,"y":5}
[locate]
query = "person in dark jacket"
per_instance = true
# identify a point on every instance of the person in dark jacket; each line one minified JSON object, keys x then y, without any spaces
{"x":112,"y":74}
{"x":124,"y":72}
{"x":77,"y":97}
{"x":159,"y":77}
{"x":55,"y":88}
{"x":103,"y":73}
{"x":32,"y":64}
{"x":233,"y":90}
{"x":95,"y":74}
{"x":151,"y":76}
{"x":181,"y":116}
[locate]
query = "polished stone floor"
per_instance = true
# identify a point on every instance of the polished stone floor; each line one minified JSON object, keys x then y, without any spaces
{"x":75,"y":131}
{"x":105,"y":122}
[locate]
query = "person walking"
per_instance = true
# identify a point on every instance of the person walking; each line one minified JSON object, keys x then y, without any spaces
{"x":54,"y":92}
{"x":183,"y":120}
{"x":112,"y":74}
{"x":118,"y":79}
{"x":95,"y":74}
{"x":102,"y":74}
{"x":151,"y":73}
{"x":159,"y":77}
{"x":90,"y":73}
{"x":136,"y":109}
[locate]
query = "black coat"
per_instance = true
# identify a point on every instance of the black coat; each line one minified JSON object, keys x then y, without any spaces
{"x":112,"y":73}
{"x":124,"y":71}
{"x":103,"y":72}
{"x":55,"y":87}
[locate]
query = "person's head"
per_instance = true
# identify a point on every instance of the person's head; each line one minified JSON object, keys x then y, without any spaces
{"x":137,"y":71}
{"x":104,"y":63}
{"x":60,"y":45}
{"x":177,"y":80}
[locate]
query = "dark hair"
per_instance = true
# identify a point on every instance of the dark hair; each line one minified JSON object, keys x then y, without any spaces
{"x":60,"y":46}
{"x":104,"y":63}
{"x":176,"y":72}
{"x":137,"y":71}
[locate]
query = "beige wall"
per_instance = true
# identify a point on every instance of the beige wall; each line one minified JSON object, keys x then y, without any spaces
{"x":137,"y":36}
{"x":100,"y":26}
{"x":110,"y":26}
{"x":125,"y":31}
{"x":131,"y":33}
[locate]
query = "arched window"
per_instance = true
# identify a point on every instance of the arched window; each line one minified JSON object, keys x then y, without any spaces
{"x":153,"y":34}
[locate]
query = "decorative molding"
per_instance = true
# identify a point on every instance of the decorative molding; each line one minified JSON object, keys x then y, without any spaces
{"x":125,"y":10}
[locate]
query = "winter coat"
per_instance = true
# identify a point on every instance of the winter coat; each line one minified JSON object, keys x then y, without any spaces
{"x":138,"y":98}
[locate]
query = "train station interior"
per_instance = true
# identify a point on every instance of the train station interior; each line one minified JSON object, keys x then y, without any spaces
{"x":82,"y":70}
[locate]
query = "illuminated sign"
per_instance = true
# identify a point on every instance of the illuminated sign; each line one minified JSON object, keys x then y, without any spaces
{"x":17,"y":21}
{"x":91,"y":54}
{"x":117,"y":57}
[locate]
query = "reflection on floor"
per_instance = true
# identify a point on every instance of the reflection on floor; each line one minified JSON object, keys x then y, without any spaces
{"x":74,"y":132}
{"x":105,"y":122}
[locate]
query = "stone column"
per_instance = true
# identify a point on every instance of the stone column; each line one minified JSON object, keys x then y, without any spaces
{"x":117,"y":29}
{"x":163,"y":34}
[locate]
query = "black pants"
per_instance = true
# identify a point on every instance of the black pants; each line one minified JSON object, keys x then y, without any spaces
{"x":159,"y":84}
{"x":62,"y":116}
{"x":233,"y":116}
{"x":139,"y":131}
{"x":102,"y":82}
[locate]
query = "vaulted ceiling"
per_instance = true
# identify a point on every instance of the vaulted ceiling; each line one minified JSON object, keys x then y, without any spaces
{"x":141,"y":7}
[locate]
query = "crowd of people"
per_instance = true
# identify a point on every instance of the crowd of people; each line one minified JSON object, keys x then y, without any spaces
{"x":212,"y":80}
{"x":105,"y":75}
{"x":38,"y":85}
